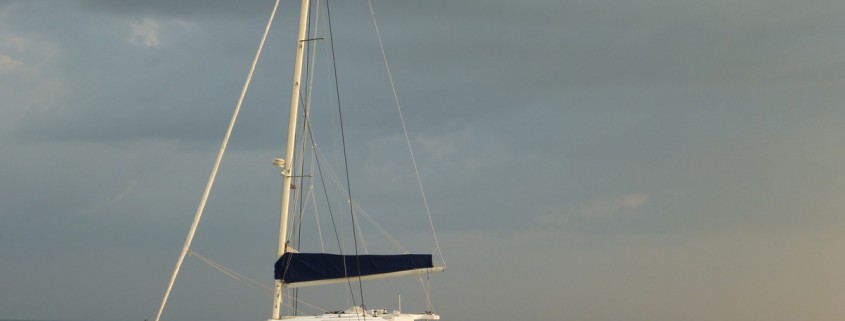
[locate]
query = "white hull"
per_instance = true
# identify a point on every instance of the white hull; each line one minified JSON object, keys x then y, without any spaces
{"x":356,"y":313}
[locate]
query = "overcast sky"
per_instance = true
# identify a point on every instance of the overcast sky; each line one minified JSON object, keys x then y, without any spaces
{"x":584,"y":160}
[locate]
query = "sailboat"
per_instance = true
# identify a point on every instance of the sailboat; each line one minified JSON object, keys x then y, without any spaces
{"x":293,"y":269}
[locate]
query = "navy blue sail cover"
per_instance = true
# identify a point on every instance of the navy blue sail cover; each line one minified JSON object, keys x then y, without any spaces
{"x":301,"y":267}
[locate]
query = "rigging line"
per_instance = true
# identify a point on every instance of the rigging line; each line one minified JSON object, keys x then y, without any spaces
{"x":381,"y":229}
{"x":312,"y":57}
{"x":358,"y":227}
{"x":207,"y":191}
{"x":426,"y":287}
{"x":405,"y":130}
{"x":326,"y":194}
{"x":345,"y":159}
{"x":231,"y":273}
{"x":313,"y":199}
{"x":310,"y":199}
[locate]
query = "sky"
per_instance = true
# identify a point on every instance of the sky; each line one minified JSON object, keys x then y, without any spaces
{"x":582,"y":160}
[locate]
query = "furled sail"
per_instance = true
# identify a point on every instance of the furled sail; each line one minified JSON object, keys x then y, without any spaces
{"x":308,"y":269}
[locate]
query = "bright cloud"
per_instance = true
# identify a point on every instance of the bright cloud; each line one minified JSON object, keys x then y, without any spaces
{"x":34,"y":85}
{"x":10,"y":43}
{"x":9,"y":63}
{"x":144,"y":32}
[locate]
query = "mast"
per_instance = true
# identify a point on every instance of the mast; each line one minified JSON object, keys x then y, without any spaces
{"x":287,"y":168}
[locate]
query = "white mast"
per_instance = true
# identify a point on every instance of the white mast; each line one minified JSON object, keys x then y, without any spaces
{"x":287,"y":169}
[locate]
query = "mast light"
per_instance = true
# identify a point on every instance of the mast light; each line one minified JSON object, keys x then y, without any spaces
{"x":278,"y":162}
